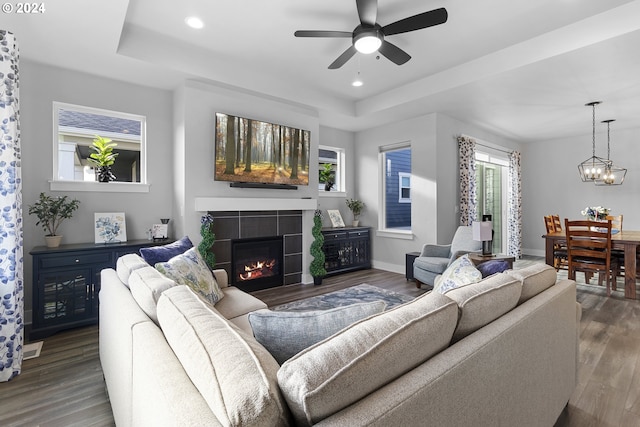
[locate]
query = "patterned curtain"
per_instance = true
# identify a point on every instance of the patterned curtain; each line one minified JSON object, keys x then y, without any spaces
{"x":514,"y":211}
{"x":11,"y":278}
{"x":468,"y":201}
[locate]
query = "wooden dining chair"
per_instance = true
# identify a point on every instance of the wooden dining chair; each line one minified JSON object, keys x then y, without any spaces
{"x":559,"y":248}
{"x":589,"y":249}
{"x":556,"y":222}
{"x":616,"y":221}
{"x":548,"y":223}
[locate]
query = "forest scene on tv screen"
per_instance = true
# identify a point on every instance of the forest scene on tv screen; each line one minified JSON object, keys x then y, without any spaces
{"x":259,"y":152}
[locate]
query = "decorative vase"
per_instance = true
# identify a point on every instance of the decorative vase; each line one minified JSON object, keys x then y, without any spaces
{"x":317,"y":280}
{"x":104,"y":174}
{"x":52,"y":241}
{"x":356,"y":222}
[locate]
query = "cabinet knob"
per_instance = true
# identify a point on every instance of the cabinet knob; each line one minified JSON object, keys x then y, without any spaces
{"x":77,"y":260}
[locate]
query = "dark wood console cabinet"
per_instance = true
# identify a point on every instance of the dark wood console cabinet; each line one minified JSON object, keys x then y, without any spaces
{"x":66,"y":282}
{"x":346,"y":249}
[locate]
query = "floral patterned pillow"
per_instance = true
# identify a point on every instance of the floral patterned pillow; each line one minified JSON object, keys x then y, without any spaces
{"x":190,"y":269}
{"x":460,"y":273}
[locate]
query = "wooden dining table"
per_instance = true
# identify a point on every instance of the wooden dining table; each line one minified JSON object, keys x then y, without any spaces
{"x":627,"y":240}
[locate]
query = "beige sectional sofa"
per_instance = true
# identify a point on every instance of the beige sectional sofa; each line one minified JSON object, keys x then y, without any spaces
{"x":500,"y":352}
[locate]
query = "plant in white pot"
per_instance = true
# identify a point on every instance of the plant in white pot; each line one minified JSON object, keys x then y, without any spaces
{"x":51,"y":211}
{"x":355,"y":206}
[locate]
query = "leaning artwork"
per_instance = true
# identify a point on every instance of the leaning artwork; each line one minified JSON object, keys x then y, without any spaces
{"x":110,"y":228}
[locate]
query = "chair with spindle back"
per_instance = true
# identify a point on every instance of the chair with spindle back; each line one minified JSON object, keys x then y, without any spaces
{"x":589,"y":249}
{"x":559,"y":248}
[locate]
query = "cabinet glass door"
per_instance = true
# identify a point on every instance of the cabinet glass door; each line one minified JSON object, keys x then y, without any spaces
{"x":65,"y":296}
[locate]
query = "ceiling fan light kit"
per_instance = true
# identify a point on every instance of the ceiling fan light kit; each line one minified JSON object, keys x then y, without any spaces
{"x":369,"y":36}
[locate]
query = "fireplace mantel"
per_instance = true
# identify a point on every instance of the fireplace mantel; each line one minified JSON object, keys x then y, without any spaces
{"x":213,"y":204}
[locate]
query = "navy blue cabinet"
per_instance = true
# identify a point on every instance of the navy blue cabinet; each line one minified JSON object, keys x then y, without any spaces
{"x":66,"y":282}
{"x":346,"y":249}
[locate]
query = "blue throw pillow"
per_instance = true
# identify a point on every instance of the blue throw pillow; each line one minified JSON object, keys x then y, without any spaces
{"x":155,"y":254}
{"x":492,"y":267}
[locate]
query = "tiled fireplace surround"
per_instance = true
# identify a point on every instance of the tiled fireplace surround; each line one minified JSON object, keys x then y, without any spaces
{"x":230,"y":225}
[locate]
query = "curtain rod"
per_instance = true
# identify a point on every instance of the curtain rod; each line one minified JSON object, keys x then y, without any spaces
{"x":494,"y":148}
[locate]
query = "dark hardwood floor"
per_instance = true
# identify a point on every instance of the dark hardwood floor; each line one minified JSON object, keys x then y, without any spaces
{"x":64,"y":386}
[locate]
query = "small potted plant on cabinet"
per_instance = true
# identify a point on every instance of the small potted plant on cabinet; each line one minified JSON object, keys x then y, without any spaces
{"x":355,"y":206}
{"x":103,"y":158}
{"x":327,"y":176}
{"x":51,"y":211}
{"x":317,"y":268}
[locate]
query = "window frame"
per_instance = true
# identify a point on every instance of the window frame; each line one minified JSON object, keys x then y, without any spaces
{"x":402,"y":199}
{"x":56,"y":184}
{"x":340,"y":183}
{"x":383,"y":230}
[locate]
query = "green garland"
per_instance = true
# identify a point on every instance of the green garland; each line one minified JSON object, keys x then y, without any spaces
{"x":208,"y":238}
{"x":317,"y":265}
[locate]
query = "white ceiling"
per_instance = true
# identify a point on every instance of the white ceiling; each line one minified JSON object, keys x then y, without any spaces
{"x":519,"y":68}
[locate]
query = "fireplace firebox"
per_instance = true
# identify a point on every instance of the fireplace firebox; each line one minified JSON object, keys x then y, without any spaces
{"x":257,"y":263}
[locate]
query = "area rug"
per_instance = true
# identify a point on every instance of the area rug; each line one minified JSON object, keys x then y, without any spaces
{"x":348,"y":296}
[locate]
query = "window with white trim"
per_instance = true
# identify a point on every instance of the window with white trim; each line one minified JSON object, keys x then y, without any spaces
{"x":404,"y":187}
{"x":331,"y":159}
{"x":395,"y":173}
{"x":75,"y":128}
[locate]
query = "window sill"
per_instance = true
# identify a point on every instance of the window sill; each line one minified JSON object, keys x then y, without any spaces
{"x":332,"y":194}
{"x":395,"y":234}
{"x":104,"y":187}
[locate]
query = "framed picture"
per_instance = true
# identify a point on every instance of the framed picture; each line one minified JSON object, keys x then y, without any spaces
{"x":336,"y":218}
{"x":110,"y":227}
{"x":159,"y":231}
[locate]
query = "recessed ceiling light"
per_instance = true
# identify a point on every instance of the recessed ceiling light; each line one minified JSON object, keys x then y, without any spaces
{"x":194,"y":22}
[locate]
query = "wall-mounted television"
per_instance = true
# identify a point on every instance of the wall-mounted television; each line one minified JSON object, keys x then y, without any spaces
{"x":260,"y":153}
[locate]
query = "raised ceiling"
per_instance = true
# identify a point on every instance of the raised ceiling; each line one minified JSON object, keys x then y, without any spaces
{"x":519,"y":68}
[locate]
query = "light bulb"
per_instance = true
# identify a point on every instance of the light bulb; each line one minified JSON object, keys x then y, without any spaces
{"x":367,"y":44}
{"x":194,"y":22}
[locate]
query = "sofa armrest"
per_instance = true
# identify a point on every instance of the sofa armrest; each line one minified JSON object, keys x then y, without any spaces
{"x":438,"y":251}
{"x":221,"y":277}
{"x":458,"y":254}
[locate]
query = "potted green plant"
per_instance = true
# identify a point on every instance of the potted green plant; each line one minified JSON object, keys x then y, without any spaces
{"x":327,"y":176}
{"x":103,"y":158}
{"x":51,"y":211}
{"x":317,"y":268}
{"x":355,"y":206}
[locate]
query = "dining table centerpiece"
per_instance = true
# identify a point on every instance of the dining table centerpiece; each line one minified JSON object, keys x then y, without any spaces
{"x":595,"y":213}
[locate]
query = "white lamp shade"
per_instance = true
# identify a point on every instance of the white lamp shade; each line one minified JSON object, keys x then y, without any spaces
{"x":482,"y":231}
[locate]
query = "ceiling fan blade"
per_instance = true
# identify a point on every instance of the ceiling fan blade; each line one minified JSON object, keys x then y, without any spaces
{"x":320,"y":33}
{"x":394,"y":53}
{"x":342,"y":59}
{"x":367,"y":11}
{"x":417,"y":22}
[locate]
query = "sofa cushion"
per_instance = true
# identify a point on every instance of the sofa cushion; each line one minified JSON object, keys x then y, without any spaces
{"x":236,"y":303}
{"x":190,"y":269}
{"x":483,"y":302}
{"x":126,"y":264}
{"x":234,"y":374}
{"x":361,"y":358}
{"x":285,"y":333}
{"x":155,"y":254}
{"x":535,"y":279}
{"x":147,"y":284}
{"x":461,"y":272}
{"x":492,"y":267}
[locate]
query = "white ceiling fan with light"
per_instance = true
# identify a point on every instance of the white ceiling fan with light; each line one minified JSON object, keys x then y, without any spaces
{"x":369,"y":36}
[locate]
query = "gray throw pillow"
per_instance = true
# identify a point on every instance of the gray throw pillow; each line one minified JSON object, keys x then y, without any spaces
{"x":286,"y":333}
